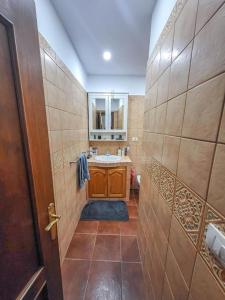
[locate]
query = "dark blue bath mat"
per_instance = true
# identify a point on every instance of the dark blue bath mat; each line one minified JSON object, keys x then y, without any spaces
{"x":115,"y":210}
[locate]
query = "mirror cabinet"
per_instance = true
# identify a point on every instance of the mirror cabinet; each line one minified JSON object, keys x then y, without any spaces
{"x":108,"y":114}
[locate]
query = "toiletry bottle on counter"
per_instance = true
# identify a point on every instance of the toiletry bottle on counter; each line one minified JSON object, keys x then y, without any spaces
{"x":119,"y":152}
{"x":123,"y":151}
{"x":127,"y":150}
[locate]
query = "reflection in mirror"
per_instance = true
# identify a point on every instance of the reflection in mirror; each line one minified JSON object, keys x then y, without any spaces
{"x":98,"y":111}
{"x":117,"y":113}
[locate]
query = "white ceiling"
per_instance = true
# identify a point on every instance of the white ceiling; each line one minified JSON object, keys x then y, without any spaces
{"x":121,"y":26}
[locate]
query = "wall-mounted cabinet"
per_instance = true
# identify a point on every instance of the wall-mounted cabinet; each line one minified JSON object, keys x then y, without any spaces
{"x":108,"y":114}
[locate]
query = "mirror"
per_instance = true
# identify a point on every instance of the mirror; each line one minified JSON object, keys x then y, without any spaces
{"x":99,"y":113}
{"x":117,"y":113}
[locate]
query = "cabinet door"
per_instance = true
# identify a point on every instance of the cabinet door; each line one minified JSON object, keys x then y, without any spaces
{"x":97,"y":185}
{"x":117,"y":183}
{"x":98,"y":112}
{"x":118,"y":112}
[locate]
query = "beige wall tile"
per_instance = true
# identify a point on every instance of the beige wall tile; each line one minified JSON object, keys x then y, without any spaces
{"x":174,"y":116}
{"x":154,"y":199}
{"x":55,"y":122}
{"x":206,"y":9}
{"x":167,"y":292}
{"x":216,"y":195}
{"x":50,"y":69}
{"x":175,"y":277}
{"x":161,"y":242}
{"x":164,"y":215}
{"x":157,"y":146}
{"x":152,"y":120}
{"x":179,"y":73}
{"x":160,"y":118}
{"x":68,"y":135}
{"x":203,"y":110}
{"x":209,"y":46}
{"x":166,"y":51}
{"x":163,"y":86}
{"x":153,"y":95}
{"x":56,"y":140}
{"x":204,"y":285}
{"x":171,"y":149}
{"x":155,"y":67}
{"x":183,"y":250}
{"x":189,"y":157}
{"x":58,"y":162}
{"x":185,"y":27}
{"x":221,"y":137}
{"x":195,"y":160}
{"x":157,"y":275}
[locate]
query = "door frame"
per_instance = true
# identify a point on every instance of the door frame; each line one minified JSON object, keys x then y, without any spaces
{"x":26,"y":65}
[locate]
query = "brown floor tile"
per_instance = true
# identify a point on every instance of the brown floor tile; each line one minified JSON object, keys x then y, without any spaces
{"x":81,"y":246}
{"x":133,"y":212}
{"x":129,"y":249}
{"x":109,"y":227}
{"x":107,"y":247}
{"x":87,"y":227}
{"x":75,"y":276}
{"x":129,"y":227}
{"x":132,"y":282}
{"x":104,"y":281}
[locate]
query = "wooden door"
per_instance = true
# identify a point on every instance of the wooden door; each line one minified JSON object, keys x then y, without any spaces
{"x":117,"y":183}
{"x":97,"y":185}
{"x":29,"y":259}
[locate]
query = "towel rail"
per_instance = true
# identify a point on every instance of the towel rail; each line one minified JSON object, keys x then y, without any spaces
{"x":77,"y":159}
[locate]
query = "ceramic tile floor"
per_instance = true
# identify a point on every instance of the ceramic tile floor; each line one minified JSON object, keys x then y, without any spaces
{"x":103,"y":261}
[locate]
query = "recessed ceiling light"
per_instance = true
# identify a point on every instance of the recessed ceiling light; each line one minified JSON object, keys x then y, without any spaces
{"x":107,"y":55}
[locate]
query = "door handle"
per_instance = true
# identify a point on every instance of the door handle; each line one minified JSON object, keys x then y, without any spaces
{"x":53,"y":219}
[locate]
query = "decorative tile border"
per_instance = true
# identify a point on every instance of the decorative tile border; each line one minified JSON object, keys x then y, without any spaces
{"x":188,"y":208}
{"x":212,"y":216}
{"x":155,"y":171}
{"x":167,"y":186}
{"x":191,"y":211}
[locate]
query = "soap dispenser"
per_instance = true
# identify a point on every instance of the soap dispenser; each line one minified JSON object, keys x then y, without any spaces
{"x":119,"y":152}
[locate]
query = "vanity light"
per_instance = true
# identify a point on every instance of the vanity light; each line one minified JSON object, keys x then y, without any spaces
{"x":107,"y":55}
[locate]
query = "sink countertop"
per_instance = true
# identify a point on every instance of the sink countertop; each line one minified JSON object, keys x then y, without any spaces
{"x":125,"y":160}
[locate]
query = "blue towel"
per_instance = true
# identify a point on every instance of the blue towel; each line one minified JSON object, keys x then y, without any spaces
{"x":83,"y":172}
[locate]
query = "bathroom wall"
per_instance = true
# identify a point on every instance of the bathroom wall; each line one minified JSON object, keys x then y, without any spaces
{"x":135,"y":129}
{"x":66,"y":108}
{"x":134,"y":85}
{"x":183,"y":173}
{"x":52,"y":29}
{"x":160,"y":15}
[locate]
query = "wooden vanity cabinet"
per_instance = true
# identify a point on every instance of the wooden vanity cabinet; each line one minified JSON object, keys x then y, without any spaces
{"x":117,"y":183}
{"x":107,"y":182}
{"x":97,"y":185}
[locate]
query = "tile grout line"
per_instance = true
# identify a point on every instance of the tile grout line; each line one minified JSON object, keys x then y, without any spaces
{"x":121,"y":280}
{"x":91,"y":262}
{"x":183,"y":137}
{"x":188,"y":89}
{"x":195,"y":35}
{"x":189,"y":286}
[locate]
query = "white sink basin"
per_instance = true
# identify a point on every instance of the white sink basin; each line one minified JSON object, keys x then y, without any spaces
{"x":108,"y":158}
